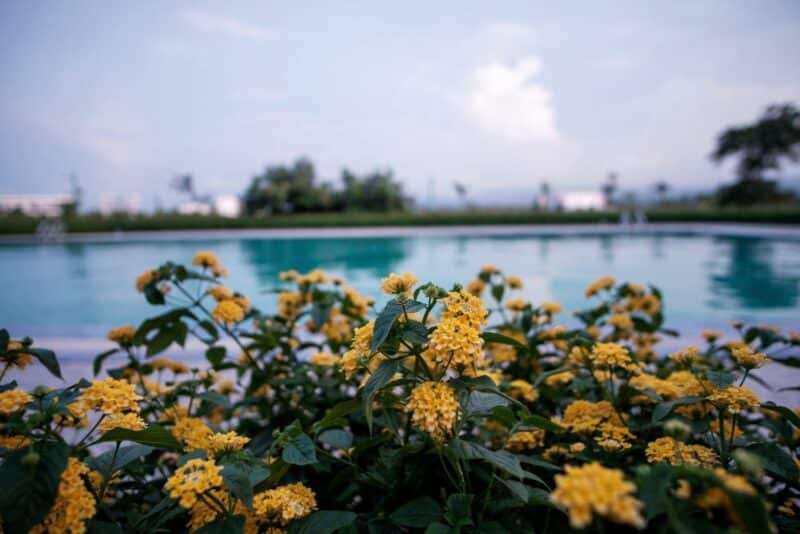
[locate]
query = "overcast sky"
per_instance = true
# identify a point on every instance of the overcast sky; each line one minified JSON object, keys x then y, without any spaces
{"x":497,"y":95}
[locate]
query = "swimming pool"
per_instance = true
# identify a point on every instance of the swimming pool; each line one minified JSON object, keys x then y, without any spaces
{"x":709,"y":275}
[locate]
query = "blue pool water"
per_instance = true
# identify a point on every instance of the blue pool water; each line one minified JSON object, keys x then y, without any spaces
{"x":81,"y":288}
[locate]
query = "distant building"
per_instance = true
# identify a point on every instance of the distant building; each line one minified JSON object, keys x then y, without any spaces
{"x":228,"y":206}
{"x":583,"y":200}
{"x":118,"y":203}
{"x":38,"y":205}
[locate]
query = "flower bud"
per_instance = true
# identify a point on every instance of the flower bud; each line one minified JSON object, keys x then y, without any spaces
{"x":677,"y":429}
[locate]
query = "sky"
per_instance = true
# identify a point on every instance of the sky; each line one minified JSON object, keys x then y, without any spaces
{"x":497,"y":96}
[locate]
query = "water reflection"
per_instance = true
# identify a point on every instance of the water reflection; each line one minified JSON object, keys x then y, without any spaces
{"x":354,"y":257}
{"x":753,"y":276}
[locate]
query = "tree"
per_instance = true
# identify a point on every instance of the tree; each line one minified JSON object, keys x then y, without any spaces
{"x":609,"y":188}
{"x":288,"y":189}
{"x":461,"y":191}
{"x":759,"y":147}
{"x":376,"y":191}
{"x":661,"y":188}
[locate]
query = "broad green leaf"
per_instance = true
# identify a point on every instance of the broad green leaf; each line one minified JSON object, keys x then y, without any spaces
{"x":418,"y":513}
{"x":97,"y":364}
{"x":494,"y":337}
{"x":777,"y":461}
{"x":504,"y":460}
{"x":300,"y":451}
{"x":459,"y":510}
{"x":337,"y":438}
{"x":237,"y":480}
{"x":322,"y":522}
{"x":47,"y":358}
{"x":28,"y":489}
{"x":154,"y":435}
{"x":537,"y":421}
{"x":123,"y":457}
{"x":784,"y":411}
{"x":653,"y":483}
{"x":479,"y":402}
{"x":384,"y":322}
{"x":215,"y":355}
{"x":227,"y":525}
{"x":382,"y":375}
{"x":215,"y":398}
{"x":663,"y":409}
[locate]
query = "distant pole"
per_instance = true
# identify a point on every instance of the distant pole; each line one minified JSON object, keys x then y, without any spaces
{"x":431,"y":187}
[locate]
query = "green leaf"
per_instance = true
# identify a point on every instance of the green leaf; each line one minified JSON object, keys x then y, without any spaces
{"x":750,"y":509}
{"x":438,"y":528}
{"x":653,"y":483}
{"x":337,"y":438}
{"x":504,"y":460}
{"x":4,"y":339}
{"x":237,"y":480}
{"x":784,"y":411}
{"x":777,"y":462}
{"x":161,"y":341}
{"x":384,"y":322}
{"x":663,"y":409}
{"x":215,"y":398}
{"x":47,"y":358}
{"x":95,"y":526}
{"x":97,"y":364}
{"x":537,"y":421}
{"x":322,"y":522}
{"x":123,"y":457}
{"x":418,"y":513}
{"x":494,"y":337}
{"x":721,"y":379}
{"x":215,"y":356}
{"x":153,"y":294}
{"x":300,"y":451}
{"x":227,"y":525}
{"x":414,"y":332}
{"x":459,"y":510}
{"x":517,"y":489}
{"x":541,"y":377}
{"x":337,"y":412}
{"x":479,"y":402}
{"x":28,"y":489}
{"x":154,"y":435}
{"x":382,"y":375}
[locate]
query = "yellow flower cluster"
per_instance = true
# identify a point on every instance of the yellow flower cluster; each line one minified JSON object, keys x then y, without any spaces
{"x":745,"y":356}
{"x":476,"y":287}
{"x":127,"y":421}
{"x":523,"y":390}
{"x":284,"y":504}
{"x":613,"y":437}
{"x":228,"y":312}
{"x":19,"y":359}
{"x":110,"y":396}
{"x":360,"y":347}
{"x":317,"y":276}
{"x":220,"y":293}
{"x":718,"y":497}
{"x":13,"y":400}
{"x":559,"y":379}
{"x":621,"y":321}
{"x":669,"y":450}
{"x":601,"y":284}
{"x":191,"y":479}
{"x":666,"y":389}
{"x":525,"y":440}
{"x":516,"y":305}
{"x":324,"y":359}
{"x":514,"y":282}
{"x":357,"y":303}
{"x":612,"y":355}
{"x":14,"y":442}
{"x":399,"y":284}
{"x":583,"y":417}
{"x":734,"y":399}
{"x":501,"y":352}
{"x":711,"y":336}
{"x":223,"y":442}
{"x":456,"y":342}
{"x":74,"y":504}
{"x":687,"y":357}
{"x":209,"y":260}
{"x":290,"y":304}
{"x":592,"y":489}
{"x":145,"y":278}
{"x":550,"y":308}
{"x":193,"y":432}
{"x":434,"y":409}
{"x":122,"y":334}
{"x":175,"y":366}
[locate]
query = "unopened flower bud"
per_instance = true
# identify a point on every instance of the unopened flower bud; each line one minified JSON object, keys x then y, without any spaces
{"x":677,"y":429}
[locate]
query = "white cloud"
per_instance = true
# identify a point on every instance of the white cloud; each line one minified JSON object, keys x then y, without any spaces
{"x":505,"y":100}
{"x":221,"y":24}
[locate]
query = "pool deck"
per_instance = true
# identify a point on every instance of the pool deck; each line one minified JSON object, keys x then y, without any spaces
{"x":782,"y":232}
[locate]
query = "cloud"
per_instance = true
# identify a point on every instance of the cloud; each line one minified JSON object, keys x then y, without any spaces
{"x":221,"y":24}
{"x":505,"y":100}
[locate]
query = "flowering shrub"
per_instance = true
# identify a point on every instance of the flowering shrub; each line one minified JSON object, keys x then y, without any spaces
{"x":440,"y":412}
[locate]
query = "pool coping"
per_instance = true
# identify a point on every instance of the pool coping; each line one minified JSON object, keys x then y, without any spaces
{"x":689,"y":229}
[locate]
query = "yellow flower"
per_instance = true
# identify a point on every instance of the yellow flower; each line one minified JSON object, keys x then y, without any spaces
{"x":550,"y":308}
{"x":584,"y":417}
{"x":687,"y":357}
{"x":14,"y":442}
{"x":516,"y":305}
{"x":290,"y":304}
{"x":110,"y":396}
{"x":666,"y":389}
{"x":514,"y":282}
{"x":525,"y":440}
{"x":359,"y":348}
{"x":476,"y":287}
{"x":122,"y":334}
{"x":166,"y":363}
{"x":598,"y":285}
{"x":19,"y":359}
{"x":206,"y":258}
{"x":711,"y":335}
{"x":220,"y":292}
{"x":145,"y":278}
{"x":669,"y":450}
{"x":284,"y":504}
{"x":192,"y":432}
{"x":128,"y":421}
{"x":559,"y":379}
{"x":324,"y":359}
{"x":718,"y":497}
{"x":228,"y":312}
{"x":613,"y":437}
{"x":399,"y":284}
{"x":434,"y":409}
{"x":317,"y":276}
{"x":621,"y":321}
{"x":193,"y":478}
{"x":734,"y":399}
{"x":610,"y":355}
{"x":593,"y":490}
{"x":229,"y":441}
{"x":488,"y":269}
{"x":745,"y":356}
{"x":523,"y":390}
{"x":13,"y":400}
{"x":289,"y":275}
{"x":74,"y":504}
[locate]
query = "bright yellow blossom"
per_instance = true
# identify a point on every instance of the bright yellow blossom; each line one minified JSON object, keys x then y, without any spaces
{"x":434,"y":409}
